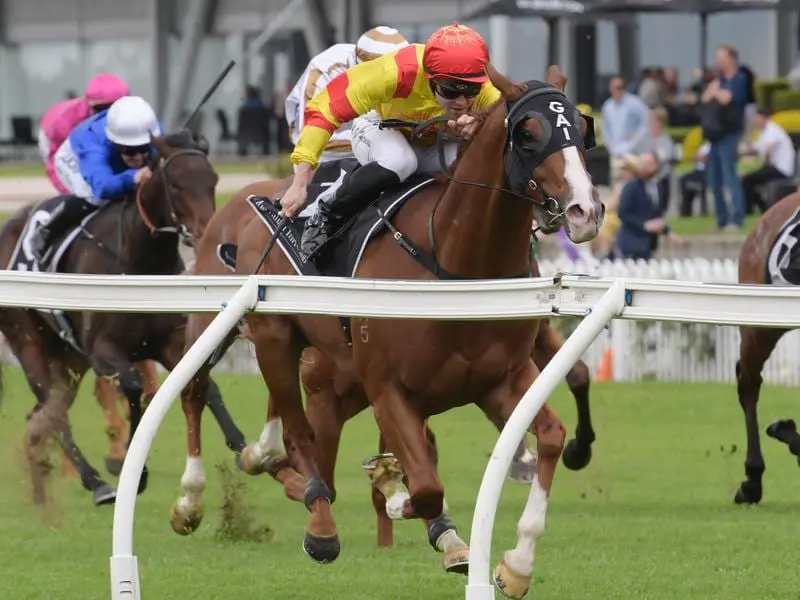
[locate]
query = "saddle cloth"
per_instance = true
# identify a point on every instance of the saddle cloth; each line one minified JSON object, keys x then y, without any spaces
{"x":783,"y":261}
{"x":22,"y":258}
{"x":348,"y":249}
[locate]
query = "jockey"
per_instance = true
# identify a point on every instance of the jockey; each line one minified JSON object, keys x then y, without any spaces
{"x":445,"y":76}
{"x":322,"y":69}
{"x":103,"y":159}
{"x":102,"y":90}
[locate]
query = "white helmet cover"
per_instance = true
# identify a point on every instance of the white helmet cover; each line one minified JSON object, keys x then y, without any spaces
{"x":378,"y":41}
{"x":130,"y":121}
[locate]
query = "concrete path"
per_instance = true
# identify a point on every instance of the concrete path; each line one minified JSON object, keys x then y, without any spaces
{"x":18,"y":191}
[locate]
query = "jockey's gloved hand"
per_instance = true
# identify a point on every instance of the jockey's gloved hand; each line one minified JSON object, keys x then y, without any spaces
{"x":294,"y":199}
{"x":142,"y":176}
{"x":464,"y":127}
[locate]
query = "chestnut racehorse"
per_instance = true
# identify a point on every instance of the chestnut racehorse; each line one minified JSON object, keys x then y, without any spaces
{"x":525,"y":162}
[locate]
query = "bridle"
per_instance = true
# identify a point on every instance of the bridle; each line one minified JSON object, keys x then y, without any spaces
{"x":176,"y":227}
{"x":539,"y":198}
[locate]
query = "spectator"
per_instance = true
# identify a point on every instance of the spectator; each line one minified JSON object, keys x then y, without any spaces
{"x":662,"y":145}
{"x":671,"y":86}
{"x":642,"y":220}
{"x":625,"y":121}
{"x":776,"y":150}
{"x":253,"y":122}
{"x":694,"y":183}
{"x":650,"y":89}
{"x":724,"y":102}
{"x":602,"y":246}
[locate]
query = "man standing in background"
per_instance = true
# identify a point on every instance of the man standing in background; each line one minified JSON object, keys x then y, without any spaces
{"x":626,"y":123}
{"x":724,"y":102}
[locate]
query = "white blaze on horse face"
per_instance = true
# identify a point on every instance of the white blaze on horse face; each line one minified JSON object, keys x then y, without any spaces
{"x":529,"y":530}
{"x":581,"y":210}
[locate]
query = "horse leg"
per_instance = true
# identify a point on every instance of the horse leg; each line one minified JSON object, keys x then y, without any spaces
{"x":106,"y":392}
{"x":109,"y":360}
{"x":26,"y":340}
{"x":278,"y":348}
{"x":754,"y":350}
{"x":268,"y":453}
{"x":578,"y":451}
{"x":147,"y":368}
{"x":187,"y":511}
{"x":405,"y":434}
{"x":512,"y":575}
{"x":523,"y":464}
{"x":66,"y":381}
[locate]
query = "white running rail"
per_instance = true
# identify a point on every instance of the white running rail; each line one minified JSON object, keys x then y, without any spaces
{"x":597,"y":299}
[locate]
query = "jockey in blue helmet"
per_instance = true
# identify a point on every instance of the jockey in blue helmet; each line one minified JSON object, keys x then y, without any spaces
{"x":103,"y":160}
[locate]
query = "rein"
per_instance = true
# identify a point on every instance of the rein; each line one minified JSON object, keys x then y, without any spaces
{"x":178,"y":228}
{"x":542,"y":200}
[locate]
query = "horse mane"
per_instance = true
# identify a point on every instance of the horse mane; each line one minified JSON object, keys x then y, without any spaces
{"x":185,"y":139}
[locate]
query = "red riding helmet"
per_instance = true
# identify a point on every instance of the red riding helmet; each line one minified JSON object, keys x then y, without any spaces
{"x":456,"y":52}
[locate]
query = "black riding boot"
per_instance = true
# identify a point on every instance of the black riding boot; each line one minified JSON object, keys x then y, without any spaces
{"x":68,"y":214}
{"x":364,"y":186}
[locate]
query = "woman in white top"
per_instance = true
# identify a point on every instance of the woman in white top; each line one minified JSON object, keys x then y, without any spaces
{"x":776,"y":150}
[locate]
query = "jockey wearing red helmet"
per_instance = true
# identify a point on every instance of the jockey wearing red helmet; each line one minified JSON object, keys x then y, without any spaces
{"x":445,"y":76}
{"x":455,"y":61}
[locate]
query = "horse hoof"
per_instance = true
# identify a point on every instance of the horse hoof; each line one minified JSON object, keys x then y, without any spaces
{"x":778,"y":429}
{"x":574,"y":457}
{"x":105,"y":494}
{"x":114,"y":465}
{"x":749,"y":492}
{"x":322,"y":550}
{"x":522,"y":472}
{"x":456,"y":561}
{"x":142,"y":482}
{"x":185,"y":522}
{"x":252,"y":461}
{"x":510,"y":583}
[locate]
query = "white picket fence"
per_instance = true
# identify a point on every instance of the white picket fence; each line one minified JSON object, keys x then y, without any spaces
{"x":677,"y":351}
{"x":641,"y":350}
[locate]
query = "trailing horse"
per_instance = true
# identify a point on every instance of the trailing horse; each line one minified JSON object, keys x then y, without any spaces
{"x":770,"y":255}
{"x":135,"y":237}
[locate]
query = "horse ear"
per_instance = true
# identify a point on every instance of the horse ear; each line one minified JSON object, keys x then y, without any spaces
{"x":511,"y":90}
{"x":555,"y":77}
{"x":202,"y":143}
{"x":159,"y":144}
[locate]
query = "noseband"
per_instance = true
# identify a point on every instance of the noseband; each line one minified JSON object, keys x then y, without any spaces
{"x":177,"y":227}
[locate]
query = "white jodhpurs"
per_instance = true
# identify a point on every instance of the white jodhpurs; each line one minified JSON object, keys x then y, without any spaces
{"x":391,"y":150}
{"x":69,"y":173}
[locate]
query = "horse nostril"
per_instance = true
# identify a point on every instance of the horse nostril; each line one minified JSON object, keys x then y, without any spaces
{"x":576,"y":213}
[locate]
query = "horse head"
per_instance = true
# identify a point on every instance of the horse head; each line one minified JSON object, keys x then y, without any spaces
{"x":546,"y":137}
{"x":180,"y":196}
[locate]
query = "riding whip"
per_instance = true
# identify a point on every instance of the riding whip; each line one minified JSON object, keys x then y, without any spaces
{"x":220,"y":78}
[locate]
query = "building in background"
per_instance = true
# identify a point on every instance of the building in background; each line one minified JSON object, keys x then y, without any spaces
{"x":51,"y":47}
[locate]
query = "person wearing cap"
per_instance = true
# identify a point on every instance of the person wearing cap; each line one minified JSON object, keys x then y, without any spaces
{"x":102,"y":160}
{"x":445,"y":76}
{"x":320,"y":72}
{"x":60,"y":119}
